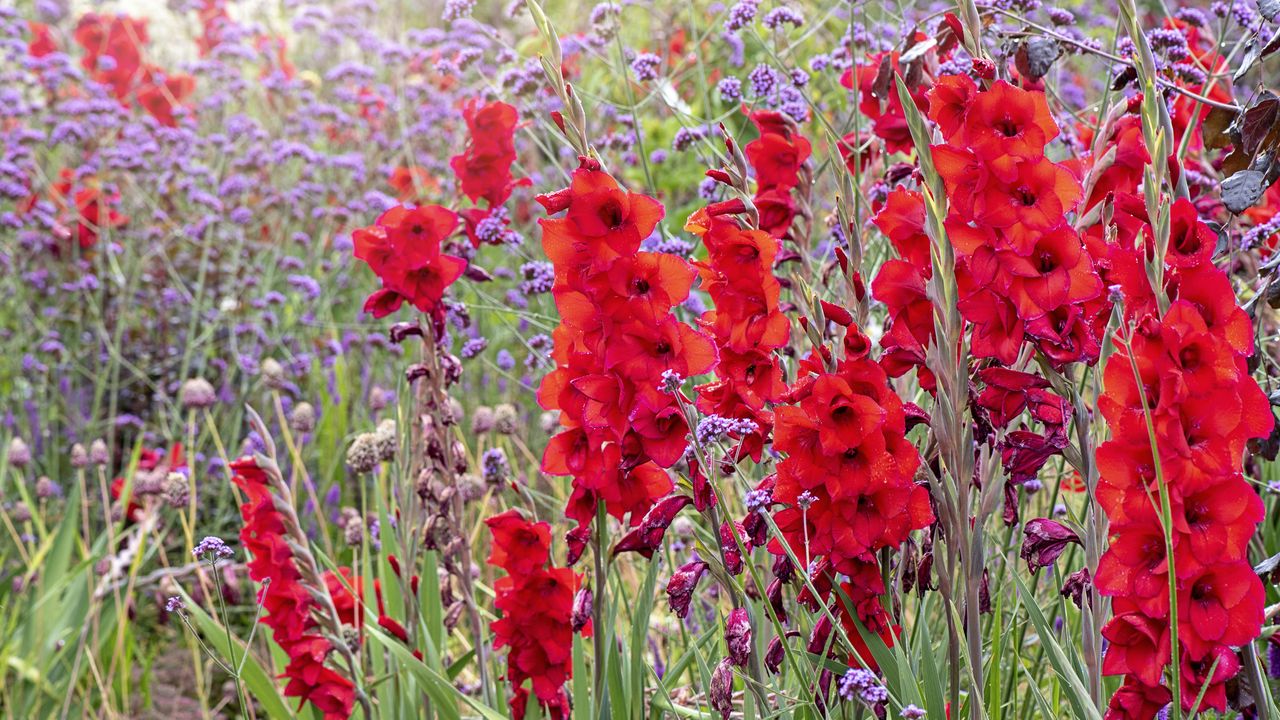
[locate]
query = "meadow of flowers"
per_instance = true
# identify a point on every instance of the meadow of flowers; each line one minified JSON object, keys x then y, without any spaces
{"x":644,"y":359}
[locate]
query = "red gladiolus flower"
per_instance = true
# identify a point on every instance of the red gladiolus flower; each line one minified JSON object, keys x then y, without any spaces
{"x":537,"y":613}
{"x":616,"y":343}
{"x":286,"y":603}
{"x":404,"y":249}
{"x":484,"y":169}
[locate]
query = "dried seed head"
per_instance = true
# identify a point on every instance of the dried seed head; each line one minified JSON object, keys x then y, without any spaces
{"x":98,"y":453}
{"x":471,"y":487}
{"x":506,"y":419}
{"x":46,"y":488}
{"x":177,"y":490}
{"x":453,"y":414}
{"x":362,"y":455}
{"x":482,"y":420}
{"x":303,"y":417}
{"x":353,"y":531}
{"x":549,"y":421}
{"x":387,"y":439}
{"x":197,"y":394}
{"x":272,"y":373}
{"x":19,"y":453}
{"x":79,"y":456}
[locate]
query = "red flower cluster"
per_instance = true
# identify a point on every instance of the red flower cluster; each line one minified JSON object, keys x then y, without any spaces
{"x":849,"y":476}
{"x":616,"y":345}
{"x":484,"y":169}
{"x":404,"y":249}
{"x":746,"y":325}
{"x":778,"y":156}
{"x":286,"y":603}
{"x":113,"y":46}
{"x":537,"y":612}
{"x":1022,"y":269}
{"x":84,"y":210}
{"x":1187,"y":367}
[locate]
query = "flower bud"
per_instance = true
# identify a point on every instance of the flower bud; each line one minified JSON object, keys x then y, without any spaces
{"x":272,"y":373}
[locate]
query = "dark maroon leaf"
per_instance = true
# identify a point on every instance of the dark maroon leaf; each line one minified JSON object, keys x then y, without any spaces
{"x":1258,"y":121}
{"x":1215,"y":128}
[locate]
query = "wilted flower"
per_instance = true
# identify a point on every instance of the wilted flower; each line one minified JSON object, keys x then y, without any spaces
{"x":482,"y":420}
{"x":582,"y":609}
{"x":720,"y":691}
{"x":1044,"y":541}
{"x":737,"y":636}
{"x":682,"y":584}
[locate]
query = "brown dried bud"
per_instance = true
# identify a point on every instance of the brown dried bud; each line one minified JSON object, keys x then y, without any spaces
{"x":386,"y":440}
{"x":303,"y":418}
{"x":19,"y":453}
{"x":177,"y":490}
{"x":98,"y":453}
{"x":79,"y":456}
{"x":197,"y":394}
{"x":506,"y":419}
{"x":272,"y":373}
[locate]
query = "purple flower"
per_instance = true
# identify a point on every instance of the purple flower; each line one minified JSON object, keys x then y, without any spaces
{"x":730,"y":89}
{"x":778,"y":17}
{"x":212,"y":548}
{"x":645,"y":66}
{"x":174,"y":604}
{"x":741,"y":14}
